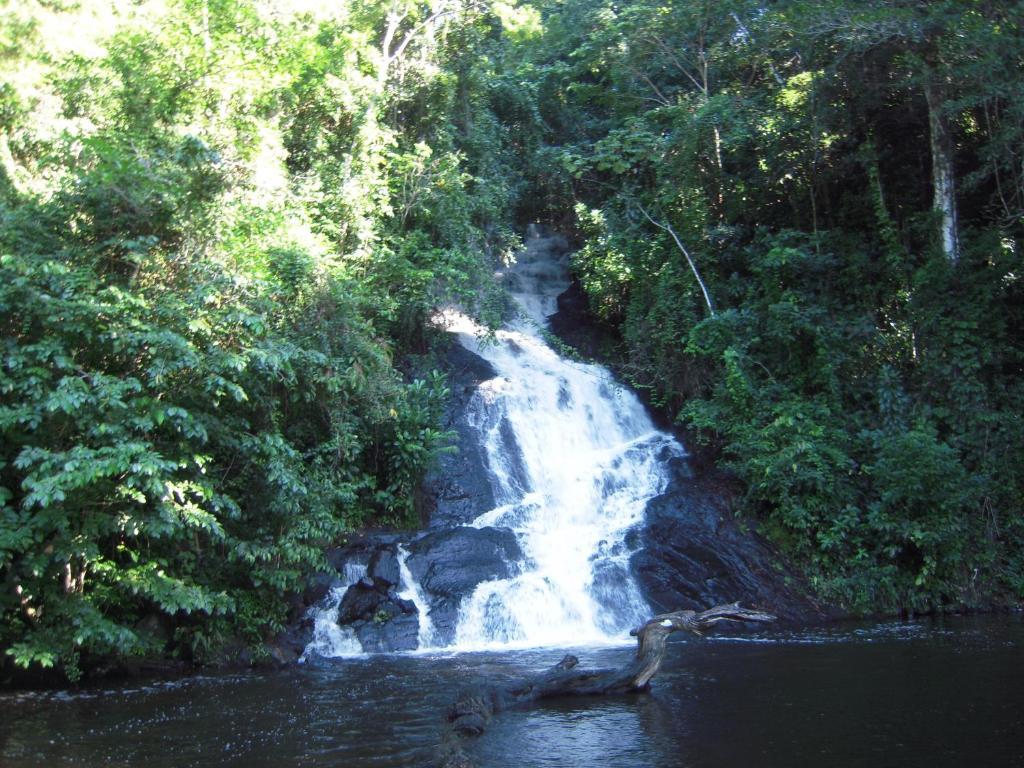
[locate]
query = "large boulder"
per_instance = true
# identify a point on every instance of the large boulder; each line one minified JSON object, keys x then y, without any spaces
{"x":361,"y":601}
{"x":398,"y":632}
{"x":383,"y":566}
{"x":449,"y":564}
{"x":382,"y":620}
{"x":458,"y":489}
{"x":578,"y":327}
{"x":693,"y":555}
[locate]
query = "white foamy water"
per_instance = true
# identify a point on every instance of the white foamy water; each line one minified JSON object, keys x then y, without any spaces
{"x":573,"y":459}
{"x":329,"y":639}
{"x":412,"y":591}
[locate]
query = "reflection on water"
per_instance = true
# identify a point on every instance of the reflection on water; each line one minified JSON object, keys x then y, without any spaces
{"x":933,"y":693}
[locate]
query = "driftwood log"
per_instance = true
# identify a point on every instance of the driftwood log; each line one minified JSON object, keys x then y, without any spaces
{"x":470,"y":714}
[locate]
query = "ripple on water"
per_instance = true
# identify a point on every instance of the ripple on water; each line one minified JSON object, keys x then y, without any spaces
{"x":923,"y":694}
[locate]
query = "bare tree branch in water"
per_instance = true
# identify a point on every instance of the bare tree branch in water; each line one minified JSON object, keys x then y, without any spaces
{"x":470,"y":714}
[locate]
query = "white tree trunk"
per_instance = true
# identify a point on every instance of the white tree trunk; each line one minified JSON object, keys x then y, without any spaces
{"x":943,"y":176}
{"x":682,"y":248}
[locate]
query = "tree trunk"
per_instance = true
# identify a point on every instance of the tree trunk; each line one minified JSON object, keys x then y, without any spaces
{"x":682,"y":248}
{"x":474,"y":708}
{"x":943,"y":175}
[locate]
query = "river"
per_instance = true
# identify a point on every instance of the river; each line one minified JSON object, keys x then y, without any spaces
{"x":929,"y":693}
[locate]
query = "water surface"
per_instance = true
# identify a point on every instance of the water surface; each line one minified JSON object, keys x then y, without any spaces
{"x":930,"y":693}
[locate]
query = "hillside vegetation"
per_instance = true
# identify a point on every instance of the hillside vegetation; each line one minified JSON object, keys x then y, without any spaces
{"x":225,"y":224}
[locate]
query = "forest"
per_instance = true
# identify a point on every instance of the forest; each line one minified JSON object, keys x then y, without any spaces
{"x":226,"y":225}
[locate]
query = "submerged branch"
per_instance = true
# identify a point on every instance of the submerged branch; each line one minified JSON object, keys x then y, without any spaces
{"x":470,"y":714}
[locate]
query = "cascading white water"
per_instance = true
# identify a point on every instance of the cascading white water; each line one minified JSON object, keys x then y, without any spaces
{"x":329,"y":639}
{"x":411,"y":591}
{"x":573,"y":460}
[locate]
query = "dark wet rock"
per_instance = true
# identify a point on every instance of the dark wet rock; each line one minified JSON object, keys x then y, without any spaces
{"x":449,"y":564}
{"x":458,"y":489}
{"x":444,"y":616}
{"x":360,"y":546}
{"x":361,"y":601}
{"x":336,"y":557}
{"x":383,"y":566}
{"x":576,"y":325}
{"x":694,"y":554}
{"x":287,"y":646}
{"x":392,"y":630}
{"x":318,"y":586}
{"x":383,"y":622}
{"x":300,"y":634}
{"x":515,"y":470}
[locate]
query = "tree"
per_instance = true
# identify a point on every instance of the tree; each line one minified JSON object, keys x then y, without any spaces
{"x":840,"y":178}
{"x":206,"y":382}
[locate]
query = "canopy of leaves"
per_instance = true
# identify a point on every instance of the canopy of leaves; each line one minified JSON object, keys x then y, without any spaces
{"x":224,"y":226}
{"x":866,"y":392}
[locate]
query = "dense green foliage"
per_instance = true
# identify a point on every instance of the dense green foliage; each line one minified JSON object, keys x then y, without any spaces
{"x":861,"y":379}
{"x":223,"y":231}
{"x":224,"y":225}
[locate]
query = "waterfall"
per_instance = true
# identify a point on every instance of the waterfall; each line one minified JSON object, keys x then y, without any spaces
{"x":573,"y":459}
{"x":412,"y":591}
{"x":330,"y":640}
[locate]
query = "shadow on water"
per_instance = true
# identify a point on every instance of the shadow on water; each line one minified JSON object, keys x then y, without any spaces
{"x":932,"y":693}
